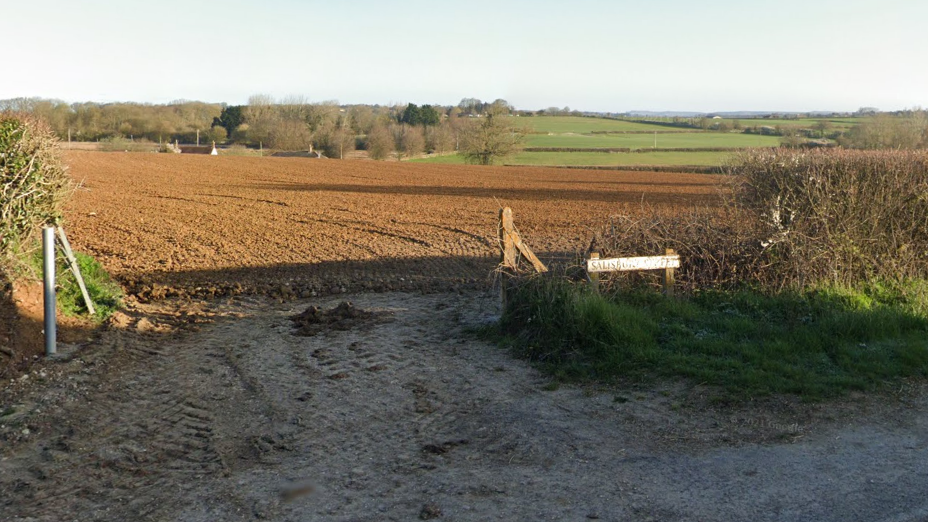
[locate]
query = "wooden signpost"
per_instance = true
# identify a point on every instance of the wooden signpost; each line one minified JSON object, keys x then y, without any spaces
{"x":667,"y":262}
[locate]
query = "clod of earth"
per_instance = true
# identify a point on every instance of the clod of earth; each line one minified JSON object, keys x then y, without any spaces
{"x":345,"y":316}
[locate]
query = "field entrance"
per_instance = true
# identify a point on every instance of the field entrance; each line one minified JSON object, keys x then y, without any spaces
{"x":192,"y":408}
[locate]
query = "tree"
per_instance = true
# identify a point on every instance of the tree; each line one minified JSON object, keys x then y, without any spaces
{"x":908,"y":130}
{"x":230,"y":118}
{"x":429,"y":116}
{"x":290,"y":135}
{"x":409,"y":141}
{"x":822,"y":126}
{"x":217,"y":134}
{"x":490,"y":139}
{"x":440,"y":138}
{"x":470,"y":106}
{"x":410,"y":115}
{"x":261,"y":117}
{"x":379,"y":142}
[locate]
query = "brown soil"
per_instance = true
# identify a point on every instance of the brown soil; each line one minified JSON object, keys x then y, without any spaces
{"x":22,"y":334}
{"x":169,"y":224}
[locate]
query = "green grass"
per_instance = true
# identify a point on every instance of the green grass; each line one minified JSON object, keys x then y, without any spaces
{"x":804,"y":123}
{"x":815,"y":344}
{"x":104,"y":292}
{"x":646,"y":141}
{"x":578,"y":124}
{"x":599,"y":159}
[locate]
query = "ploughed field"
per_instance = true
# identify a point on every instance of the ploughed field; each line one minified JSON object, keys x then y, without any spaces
{"x":168,"y":225}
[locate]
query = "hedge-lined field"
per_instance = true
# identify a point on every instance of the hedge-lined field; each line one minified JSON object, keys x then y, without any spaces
{"x":560,"y":159}
{"x":689,"y":140}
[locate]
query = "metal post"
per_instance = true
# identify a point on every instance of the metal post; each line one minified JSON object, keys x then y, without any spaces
{"x":48,"y":276}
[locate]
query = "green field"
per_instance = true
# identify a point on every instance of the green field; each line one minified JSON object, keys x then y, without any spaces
{"x":804,"y":123}
{"x":690,"y":140}
{"x":578,"y":132}
{"x":582,"y":125}
{"x":702,"y":159}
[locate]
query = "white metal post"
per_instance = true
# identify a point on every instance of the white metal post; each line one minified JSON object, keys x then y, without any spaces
{"x":48,"y":277}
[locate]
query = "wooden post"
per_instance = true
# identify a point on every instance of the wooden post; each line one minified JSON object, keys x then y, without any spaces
{"x":508,"y":256}
{"x":506,"y":236}
{"x":594,"y":276}
{"x":668,"y":276}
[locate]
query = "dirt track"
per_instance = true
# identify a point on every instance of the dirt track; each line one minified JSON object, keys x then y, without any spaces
{"x":203,"y":412}
{"x":203,"y":224}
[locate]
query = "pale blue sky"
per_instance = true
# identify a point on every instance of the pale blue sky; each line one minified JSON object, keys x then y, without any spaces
{"x":795,"y":55}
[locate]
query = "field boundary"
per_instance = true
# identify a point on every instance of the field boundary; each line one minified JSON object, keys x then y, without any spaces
{"x":685,"y":169}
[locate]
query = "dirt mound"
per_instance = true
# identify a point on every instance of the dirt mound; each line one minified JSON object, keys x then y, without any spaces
{"x":345,"y":316}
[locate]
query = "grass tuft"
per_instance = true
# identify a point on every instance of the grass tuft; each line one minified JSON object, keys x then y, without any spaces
{"x":105,"y":293}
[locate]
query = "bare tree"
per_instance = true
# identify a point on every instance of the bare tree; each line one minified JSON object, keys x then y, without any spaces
{"x":409,"y":141}
{"x":439,"y":138}
{"x":379,"y":142}
{"x":490,"y":139}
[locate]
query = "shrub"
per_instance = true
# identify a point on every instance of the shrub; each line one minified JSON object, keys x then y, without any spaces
{"x":837,"y":216}
{"x":33,"y":184}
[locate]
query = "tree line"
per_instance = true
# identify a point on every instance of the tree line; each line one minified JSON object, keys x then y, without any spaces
{"x":292,"y":123}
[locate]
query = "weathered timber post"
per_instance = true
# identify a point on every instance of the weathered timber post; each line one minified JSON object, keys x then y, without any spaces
{"x":512,"y":245}
{"x":668,"y":278}
{"x":508,"y":256}
{"x":594,"y":276}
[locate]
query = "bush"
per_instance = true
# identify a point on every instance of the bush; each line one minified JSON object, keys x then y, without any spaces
{"x":33,"y":184}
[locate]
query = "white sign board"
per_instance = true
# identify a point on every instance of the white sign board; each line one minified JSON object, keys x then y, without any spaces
{"x":624,"y":264}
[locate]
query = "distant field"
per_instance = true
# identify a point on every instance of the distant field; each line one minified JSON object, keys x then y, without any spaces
{"x":577,"y":132}
{"x":626,"y":159}
{"x":642,"y":141}
{"x":805,"y":123}
{"x":580,"y":125}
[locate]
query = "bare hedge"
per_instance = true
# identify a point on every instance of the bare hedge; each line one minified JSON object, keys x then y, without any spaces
{"x":33,"y":183}
{"x":795,"y":218}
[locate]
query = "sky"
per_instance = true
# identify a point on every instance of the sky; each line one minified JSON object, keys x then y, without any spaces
{"x":590,"y":55}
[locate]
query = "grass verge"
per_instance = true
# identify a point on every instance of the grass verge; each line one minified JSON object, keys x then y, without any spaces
{"x":816,"y":344}
{"x":105,"y":293}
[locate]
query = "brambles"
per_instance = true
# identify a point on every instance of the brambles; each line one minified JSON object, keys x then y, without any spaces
{"x":33,"y":183}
